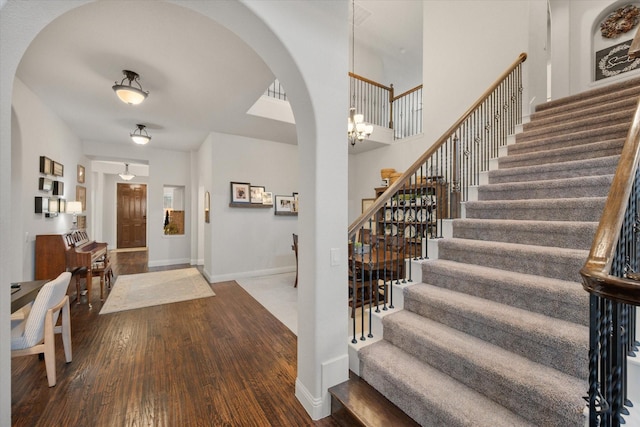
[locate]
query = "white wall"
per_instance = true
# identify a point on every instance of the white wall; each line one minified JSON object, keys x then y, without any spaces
{"x":38,"y":132}
{"x":573,"y":24}
{"x":166,"y":167}
{"x":250,"y":241}
{"x":456,"y":72}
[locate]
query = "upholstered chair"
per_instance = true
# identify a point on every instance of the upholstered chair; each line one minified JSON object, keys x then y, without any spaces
{"x":34,"y":334}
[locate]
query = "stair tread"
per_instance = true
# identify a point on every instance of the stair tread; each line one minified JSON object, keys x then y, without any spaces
{"x":624,"y":104}
{"x":567,"y":169}
{"x":438,"y":392}
{"x":539,"y":130}
{"x":536,"y":326}
{"x":524,"y":224}
{"x":564,"y":234}
{"x":553,"y":297}
{"x":570,"y":187}
{"x":489,"y":369}
{"x":549,"y":284}
{"x":540,"y":143}
{"x":368,"y":406}
{"x":563,"y":152}
{"x":592,"y":97}
{"x":490,"y":246}
{"x":550,"y":183}
{"x":548,"y":261}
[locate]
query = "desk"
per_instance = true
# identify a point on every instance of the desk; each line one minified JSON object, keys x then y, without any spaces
{"x":26,"y":294}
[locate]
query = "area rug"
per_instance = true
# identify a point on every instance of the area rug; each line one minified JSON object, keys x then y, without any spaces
{"x":133,"y":291}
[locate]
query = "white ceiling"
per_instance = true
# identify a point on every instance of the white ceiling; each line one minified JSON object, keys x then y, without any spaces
{"x":200,"y":76}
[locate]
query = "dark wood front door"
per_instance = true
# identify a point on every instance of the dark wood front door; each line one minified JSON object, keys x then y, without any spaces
{"x":132,"y":215}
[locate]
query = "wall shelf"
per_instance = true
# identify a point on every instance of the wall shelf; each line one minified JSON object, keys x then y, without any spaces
{"x":249,"y":205}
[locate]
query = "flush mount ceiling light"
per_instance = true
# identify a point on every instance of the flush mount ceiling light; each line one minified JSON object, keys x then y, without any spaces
{"x":140,"y":135}
{"x":126,"y":92}
{"x":126,"y":175}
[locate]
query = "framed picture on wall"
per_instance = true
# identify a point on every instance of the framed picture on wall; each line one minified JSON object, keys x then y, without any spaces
{"x":82,"y":222}
{"x":58,"y":169}
{"x":46,"y":165}
{"x":267,"y":198}
{"x":284,"y":204}
{"x":80,"y":174}
{"x":45,"y":184}
{"x":256,"y":194}
{"x":240,"y":192}
{"x":81,"y":196}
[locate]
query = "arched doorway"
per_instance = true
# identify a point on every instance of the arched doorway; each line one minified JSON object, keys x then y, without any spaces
{"x":305,"y":44}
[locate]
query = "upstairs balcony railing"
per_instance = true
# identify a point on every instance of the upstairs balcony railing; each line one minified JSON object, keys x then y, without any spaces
{"x":612,"y":277}
{"x":379,"y":106}
{"x":395,"y":228}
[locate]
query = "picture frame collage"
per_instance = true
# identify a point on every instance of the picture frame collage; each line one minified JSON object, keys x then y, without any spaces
{"x":243,"y":194}
{"x":50,"y":204}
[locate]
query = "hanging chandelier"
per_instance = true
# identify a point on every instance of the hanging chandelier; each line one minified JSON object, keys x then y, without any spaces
{"x":126,"y":175}
{"x":126,"y":92}
{"x":140,"y":135}
{"x":357,"y":128}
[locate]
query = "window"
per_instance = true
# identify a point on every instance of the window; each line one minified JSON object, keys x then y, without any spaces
{"x":173,"y":212}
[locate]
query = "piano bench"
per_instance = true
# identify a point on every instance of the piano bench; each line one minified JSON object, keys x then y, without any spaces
{"x":105,"y":274}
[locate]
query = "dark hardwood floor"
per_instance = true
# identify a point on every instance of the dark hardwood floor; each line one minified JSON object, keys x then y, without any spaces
{"x":220,"y":361}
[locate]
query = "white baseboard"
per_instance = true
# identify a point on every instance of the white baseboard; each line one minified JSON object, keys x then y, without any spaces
{"x":165,"y":262}
{"x":333,"y":372}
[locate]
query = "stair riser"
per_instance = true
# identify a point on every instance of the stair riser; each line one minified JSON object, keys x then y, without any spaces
{"x":556,"y":266}
{"x":591,"y":151}
{"x":556,"y":189}
{"x":516,"y":397}
{"x":569,"y":237}
{"x":568,"y":140}
{"x":509,"y":291}
{"x":574,"y":169}
{"x":537,"y":212}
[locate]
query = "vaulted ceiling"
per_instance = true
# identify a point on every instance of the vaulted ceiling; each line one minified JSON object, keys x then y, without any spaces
{"x":201,"y":77}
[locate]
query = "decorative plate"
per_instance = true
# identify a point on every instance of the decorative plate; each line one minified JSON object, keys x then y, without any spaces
{"x":422,"y":215}
{"x":388,"y":214}
{"x":398,"y":215}
{"x":410,"y":215}
{"x":410,"y":231}
{"x":394,"y":230}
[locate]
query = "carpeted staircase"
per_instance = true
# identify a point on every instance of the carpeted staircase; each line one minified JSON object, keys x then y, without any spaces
{"x":497,"y":335}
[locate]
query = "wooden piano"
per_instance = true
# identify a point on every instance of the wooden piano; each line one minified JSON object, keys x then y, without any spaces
{"x":56,"y":253}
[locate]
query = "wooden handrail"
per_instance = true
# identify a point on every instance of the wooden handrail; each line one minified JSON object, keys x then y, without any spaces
{"x":406,"y":176}
{"x":634,"y":49}
{"x":407,"y":93}
{"x":596,"y":277}
{"x":366,"y":80}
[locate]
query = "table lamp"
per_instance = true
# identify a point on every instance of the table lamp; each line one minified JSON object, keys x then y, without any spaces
{"x":74,"y":208}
